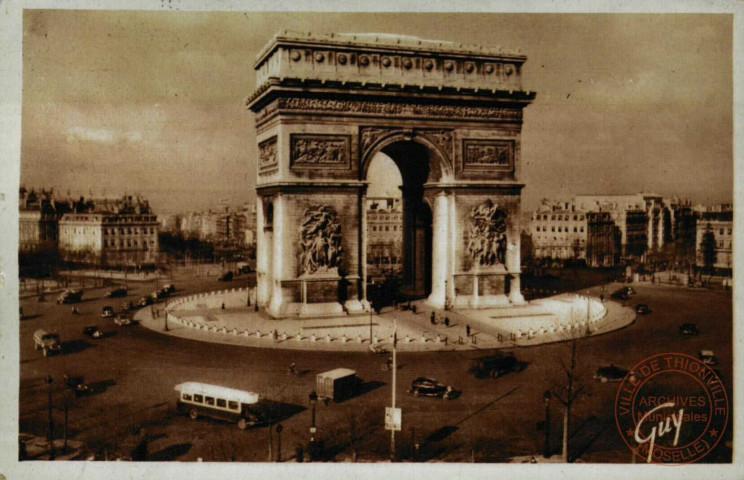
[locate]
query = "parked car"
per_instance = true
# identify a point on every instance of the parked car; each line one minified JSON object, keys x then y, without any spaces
{"x":169,"y":287}
{"x":429,"y":387}
{"x":107,"y":311}
{"x":144,"y":301}
{"x":642,"y":309}
{"x":688,"y":329}
{"x":708,"y":357}
{"x":610,"y":374}
{"x":126,"y":307}
{"x":48,"y":342}
{"x":70,"y":296}
{"x":628,"y":290}
{"x":123,"y":321}
{"x":226,"y":277}
{"x":92,"y":331}
{"x":493,"y":366}
{"x":117,"y":292}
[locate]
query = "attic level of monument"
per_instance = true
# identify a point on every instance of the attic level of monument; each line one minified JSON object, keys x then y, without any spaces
{"x":369,"y":64}
{"x":449,"y":116}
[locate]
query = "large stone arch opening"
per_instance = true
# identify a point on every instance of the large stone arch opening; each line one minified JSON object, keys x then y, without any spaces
{"x":450,"y":118}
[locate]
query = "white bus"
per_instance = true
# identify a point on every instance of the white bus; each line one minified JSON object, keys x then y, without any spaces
{"x":201,"y":399}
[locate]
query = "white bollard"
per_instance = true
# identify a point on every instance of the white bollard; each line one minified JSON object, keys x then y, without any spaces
{"x":328,"y":338}
{"x":312,"y":337}
{"x":359,"y":339}
{"x":258,"y":333}
{"x":407,"y":339}
{"x":298,"y":337}
{"x":343,"y":338}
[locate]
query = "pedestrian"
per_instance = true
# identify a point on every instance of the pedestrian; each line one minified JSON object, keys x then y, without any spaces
{"x":433,"y":318}
{"x":467,"y":330}
{"x":223,"y":305}
{"x":446,"y":321}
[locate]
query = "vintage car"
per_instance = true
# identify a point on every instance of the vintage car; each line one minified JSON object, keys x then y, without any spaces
{"x":107,"y":311}
{"x":70,"y":296}
{"x":708,"y":357}
{"x":92,"y":331}
{"x":621,"y":294}
{"x":126,"y":307}
{"x":493,"y":366}
{"x":123,"y":321}
{"x":144,"y":301}
{"x":77,"y":385}
{"x":642,"y":309}
{"x":226,"y":277}
{"x":117,"y":292}
{"x":610,"y":374}
{"x":428,"y":387}
{"x":688,"y":329}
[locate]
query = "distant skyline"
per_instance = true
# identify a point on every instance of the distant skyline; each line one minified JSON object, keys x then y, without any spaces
{"x":152,"y":103}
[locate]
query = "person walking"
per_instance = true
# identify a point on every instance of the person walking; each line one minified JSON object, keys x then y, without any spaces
{"x":467,"y":330}
{"x":446,"y":322}
{"x":433,"y":318}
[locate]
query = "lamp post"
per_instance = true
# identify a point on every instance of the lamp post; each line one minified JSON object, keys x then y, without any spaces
{"x":279,"y":429}
{"x":546,"y":399}
{"x":311,"y":448}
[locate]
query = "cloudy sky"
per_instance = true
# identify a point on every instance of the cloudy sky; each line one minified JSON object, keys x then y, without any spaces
{"x":153,"y":102}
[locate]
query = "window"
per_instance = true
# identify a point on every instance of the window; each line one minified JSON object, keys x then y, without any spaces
{"x":552,"y":217}
{"x":209,"y":400}
{"x":186,"y":396}
{"x":574,"y":218}
{"x":582,"y":229}
{"x":729,"y":231}
{"x":221,"y":402}
{"x":198,"y":398}
{"x":721,"y":231}
{"x":232,"y":405}
{"x":574,"y":229}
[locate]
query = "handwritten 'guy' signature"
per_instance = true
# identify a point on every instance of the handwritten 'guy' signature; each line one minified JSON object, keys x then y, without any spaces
{"x":658,"y":431}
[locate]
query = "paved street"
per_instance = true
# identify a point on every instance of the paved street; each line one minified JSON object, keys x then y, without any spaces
{"x":133,"y":371}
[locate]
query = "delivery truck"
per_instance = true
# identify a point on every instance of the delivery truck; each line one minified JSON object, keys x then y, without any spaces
{"x":337,"y":384}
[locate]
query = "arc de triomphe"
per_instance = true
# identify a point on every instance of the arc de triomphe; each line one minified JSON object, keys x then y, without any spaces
{"x":450,"y":116}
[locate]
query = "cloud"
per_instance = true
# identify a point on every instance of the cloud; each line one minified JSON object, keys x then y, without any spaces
{"x":101,"y":135}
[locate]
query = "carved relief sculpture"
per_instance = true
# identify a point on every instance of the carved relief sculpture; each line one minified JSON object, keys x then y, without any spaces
{"x":320,"y":240}
{"x":488,"y":154}
{"x":267,"y":154}
{"x":320,"y":151}
{"x":487,"y":236}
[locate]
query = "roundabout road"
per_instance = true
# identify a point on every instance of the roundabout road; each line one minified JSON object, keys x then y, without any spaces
{"x":133,"y":371}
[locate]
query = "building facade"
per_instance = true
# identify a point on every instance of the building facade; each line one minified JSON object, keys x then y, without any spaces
{"x":118,"y":233}
{"x":560,"y":232}
{"x":603,"y":240}
{"x":385,"y":236}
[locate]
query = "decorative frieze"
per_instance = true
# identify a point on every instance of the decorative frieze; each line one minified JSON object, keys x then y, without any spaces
{"x":370,"y":135}
{"x":487,"y":235}
{"x":488,"y":154}
{"x":387,"y":109}
{"x":320,"y":240}
{"x":267,"y":160}
{"x":320,"y":151}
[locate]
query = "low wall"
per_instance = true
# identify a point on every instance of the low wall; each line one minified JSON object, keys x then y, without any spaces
{"x":230,"y":298}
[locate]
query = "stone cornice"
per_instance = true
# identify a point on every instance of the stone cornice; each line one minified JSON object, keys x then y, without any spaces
{"x":384,"y":60}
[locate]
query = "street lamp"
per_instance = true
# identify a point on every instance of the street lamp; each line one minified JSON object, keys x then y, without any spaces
{"x":313,"y":397}
{"x":546,"y":399}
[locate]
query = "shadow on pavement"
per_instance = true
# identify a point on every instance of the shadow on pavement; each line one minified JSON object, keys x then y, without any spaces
{"x":75,"y":346}
{"x":363,"y":389}
{"x":278,"y":412}
{"x":100,"y":387}
{"x":170,"y":453}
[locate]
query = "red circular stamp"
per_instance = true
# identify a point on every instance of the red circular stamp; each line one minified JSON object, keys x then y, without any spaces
{"x":671,"y":408}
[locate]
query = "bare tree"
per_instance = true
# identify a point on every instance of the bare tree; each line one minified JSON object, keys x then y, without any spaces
{"x":566,"y":395}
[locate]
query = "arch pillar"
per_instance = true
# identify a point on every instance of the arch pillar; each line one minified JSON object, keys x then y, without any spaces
{"x":263,"y":278}
{"x":440,"y":259}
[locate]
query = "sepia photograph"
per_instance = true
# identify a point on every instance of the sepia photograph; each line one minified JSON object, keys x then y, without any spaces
{"x":266,"y":237}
